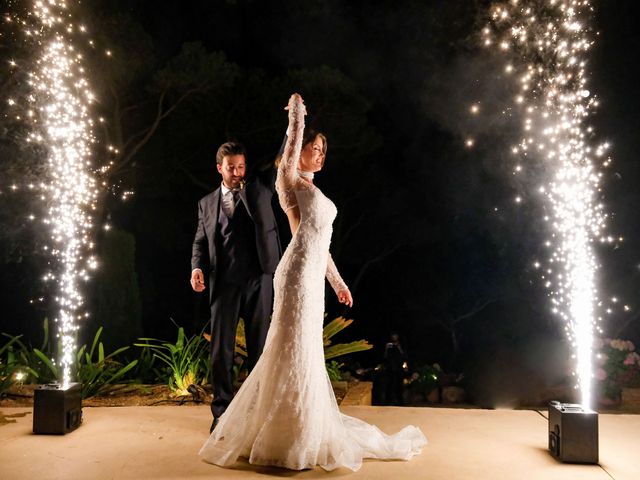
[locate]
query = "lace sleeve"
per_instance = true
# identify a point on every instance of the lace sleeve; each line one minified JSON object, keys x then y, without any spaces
{"x":287,"y":177}
{"x":334,"y":276}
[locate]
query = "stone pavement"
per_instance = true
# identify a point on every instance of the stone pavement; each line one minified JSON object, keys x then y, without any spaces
{"x":163,"y":442}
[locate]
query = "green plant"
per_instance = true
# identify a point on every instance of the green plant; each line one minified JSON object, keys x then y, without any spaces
{"x":186,"y":360}
{"x":117,"y":305}
{"x":94,"y":370}
{"x":333,"y":370}
{"x":146,"y":371}
{"x":8,"y":365}
{"x":425,"y":379}
{"x":101,"y":372}
{"x":618,"y":366}
{"x":240,"y":359}
{"x":35,"y":368}
{"x":94,"y":373}
{"x":332,"y":351}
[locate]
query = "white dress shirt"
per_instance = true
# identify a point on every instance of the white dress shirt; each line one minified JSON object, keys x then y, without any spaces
{"x":228,"y":202}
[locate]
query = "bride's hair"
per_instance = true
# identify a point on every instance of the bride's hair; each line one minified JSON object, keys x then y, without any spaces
{"x":309,"y":136}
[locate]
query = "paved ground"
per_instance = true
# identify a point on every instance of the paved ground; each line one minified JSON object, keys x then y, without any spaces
{"x":162,"y":443}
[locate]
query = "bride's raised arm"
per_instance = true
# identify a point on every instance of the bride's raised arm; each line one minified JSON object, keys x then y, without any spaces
{"x":287,"y":176}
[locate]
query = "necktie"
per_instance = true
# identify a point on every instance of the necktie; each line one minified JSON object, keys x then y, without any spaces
{"x":230,"y":201}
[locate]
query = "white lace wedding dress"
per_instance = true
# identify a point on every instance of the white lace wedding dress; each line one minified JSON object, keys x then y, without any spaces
{"x":285,"y":414}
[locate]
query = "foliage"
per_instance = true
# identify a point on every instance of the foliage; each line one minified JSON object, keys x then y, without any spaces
{"x":117,"y":304}
{"x":425,"y":379}
{"x":241,"y":340}
{"x":332,"y":351}
{"x":147,"y":370}
{"x":8,"y":364}
{"x":619,"y":366}
{"x":96,"y":374}
{"x":186,"y":360}
{"x":333,"y":370}
{"x":94,"y":370}
{"x":33,"y":367}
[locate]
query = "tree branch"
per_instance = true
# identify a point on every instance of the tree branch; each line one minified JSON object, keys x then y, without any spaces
{"x":195,"y":180}
{"x":628,"y":322}
{"x":133,"y":138}
{"x":131,"y":108}
{"x":475,"y":310}
{"x":371,"y":261}
{"x":161,"y":114}
{"x":117,"y":121}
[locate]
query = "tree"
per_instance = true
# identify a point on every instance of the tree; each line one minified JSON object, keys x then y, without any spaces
{"x":117,"y":295}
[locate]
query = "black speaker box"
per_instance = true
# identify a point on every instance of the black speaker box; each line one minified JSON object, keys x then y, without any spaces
{"x":573,"y":433}
{"x":57,"y":410}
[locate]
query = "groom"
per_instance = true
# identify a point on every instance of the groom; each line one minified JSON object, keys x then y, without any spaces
{"x":236,"y":249}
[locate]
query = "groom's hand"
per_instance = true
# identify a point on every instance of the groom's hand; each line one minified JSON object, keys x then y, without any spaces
{"x":197,"y":280}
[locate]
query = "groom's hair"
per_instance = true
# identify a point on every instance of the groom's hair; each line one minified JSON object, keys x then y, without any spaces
{"x":230,"y":148}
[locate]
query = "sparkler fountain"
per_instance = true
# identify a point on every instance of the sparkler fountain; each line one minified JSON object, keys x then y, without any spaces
{"x":547,"y":42}
{"x":60,"y":122}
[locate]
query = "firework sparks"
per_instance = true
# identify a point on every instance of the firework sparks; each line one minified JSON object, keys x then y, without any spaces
{"x":546,"y":44}
{"x":60,"y":122}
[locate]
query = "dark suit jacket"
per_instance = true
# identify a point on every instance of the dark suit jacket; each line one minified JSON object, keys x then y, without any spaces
{"x":257,"y":197}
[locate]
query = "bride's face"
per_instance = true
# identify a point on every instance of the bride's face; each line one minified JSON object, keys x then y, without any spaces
{"x":311,"y":157}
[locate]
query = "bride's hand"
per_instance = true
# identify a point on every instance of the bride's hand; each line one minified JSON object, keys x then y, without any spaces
{"x":296,"y":98}
{"x":344,"y":296}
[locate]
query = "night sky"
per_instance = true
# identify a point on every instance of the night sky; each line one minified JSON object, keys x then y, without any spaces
{"x":418,"y":236}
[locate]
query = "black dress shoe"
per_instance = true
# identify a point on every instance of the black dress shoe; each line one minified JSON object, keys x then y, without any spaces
{"x":214,"y":424}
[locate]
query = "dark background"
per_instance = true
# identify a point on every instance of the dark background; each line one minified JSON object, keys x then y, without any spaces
{"x":427,"y":235}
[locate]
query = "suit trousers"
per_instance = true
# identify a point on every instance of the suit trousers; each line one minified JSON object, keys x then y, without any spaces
{"x":252,"y":301}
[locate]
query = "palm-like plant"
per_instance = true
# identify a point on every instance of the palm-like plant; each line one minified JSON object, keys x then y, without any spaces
{"x":330,"y":329}
{"x":8,"y":364}
{"x":332,"y":351}
{"x":94,"y":370}
{"x":186,"y":360}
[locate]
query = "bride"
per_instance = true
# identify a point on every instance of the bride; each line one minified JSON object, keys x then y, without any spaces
{"x":285,"y":414}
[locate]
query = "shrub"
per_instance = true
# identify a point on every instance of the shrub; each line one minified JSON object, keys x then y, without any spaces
{"x":8,"y":364}
{"x":186,"y":360}
{"x":333,"y":370}
{"x":425,"y":379}
{"x":332,"y":351}
{"x":619,"y":366}
{"x":36,"y":369}
{"x":94,"y":370}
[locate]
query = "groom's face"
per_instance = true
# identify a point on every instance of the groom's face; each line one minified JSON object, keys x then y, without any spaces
{"x":232,"y":169}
